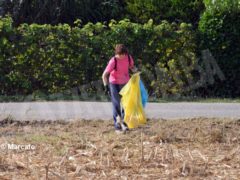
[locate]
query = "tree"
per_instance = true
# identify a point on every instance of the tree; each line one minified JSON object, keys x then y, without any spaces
{"x":171,"y":10}
{"x":61,"y":11}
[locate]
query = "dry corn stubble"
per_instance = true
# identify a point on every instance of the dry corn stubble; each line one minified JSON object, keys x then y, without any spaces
{"x":195,"y":148}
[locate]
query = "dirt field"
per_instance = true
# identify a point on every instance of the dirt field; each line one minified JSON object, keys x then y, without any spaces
{"x":175,"y":149}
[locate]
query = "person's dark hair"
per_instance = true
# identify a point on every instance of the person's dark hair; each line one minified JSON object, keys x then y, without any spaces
{"x":121,"y":49}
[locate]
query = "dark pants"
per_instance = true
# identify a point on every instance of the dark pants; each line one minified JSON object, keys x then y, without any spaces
{"x":115,"y":97}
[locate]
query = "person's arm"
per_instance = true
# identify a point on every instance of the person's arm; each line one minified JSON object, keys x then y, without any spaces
{"x":105,"y":82}
{"x":105,"y":78}
{"x":107,"y":71}
{"x":133,"y":68}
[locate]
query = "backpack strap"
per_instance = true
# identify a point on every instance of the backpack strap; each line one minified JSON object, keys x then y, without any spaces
{"x":115,"y":61}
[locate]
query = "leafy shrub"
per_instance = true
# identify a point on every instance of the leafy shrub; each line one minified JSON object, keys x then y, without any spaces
{"x":220,"y":30}
{"x":52,"y":59}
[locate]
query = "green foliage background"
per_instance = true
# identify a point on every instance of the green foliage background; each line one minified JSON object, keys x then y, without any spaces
{"x":220,"y":32}
{"x":61,"y":11}
{"x":60,"y":44}
{"x":55,"y":58}
{"x":171,"y":10}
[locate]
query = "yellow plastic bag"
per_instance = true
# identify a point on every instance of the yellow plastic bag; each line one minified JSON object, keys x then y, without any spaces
{"x":132,"y":102}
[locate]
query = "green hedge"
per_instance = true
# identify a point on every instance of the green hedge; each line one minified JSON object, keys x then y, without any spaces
{"x":52,"y":59}
{"x":220,"y":30}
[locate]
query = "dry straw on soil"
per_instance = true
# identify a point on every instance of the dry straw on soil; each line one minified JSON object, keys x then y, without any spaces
{"x":174,"y":149}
